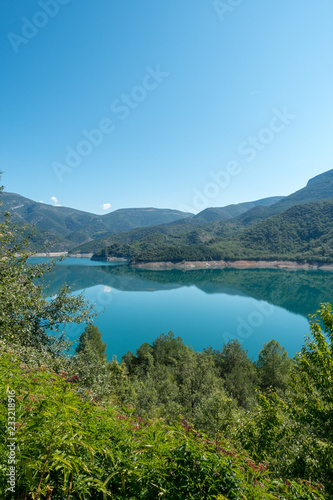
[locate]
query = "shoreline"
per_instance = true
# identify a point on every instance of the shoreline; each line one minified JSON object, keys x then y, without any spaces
{"x":64,"y":254}
{"x":196,"y":265}
{"x":237,"y":264}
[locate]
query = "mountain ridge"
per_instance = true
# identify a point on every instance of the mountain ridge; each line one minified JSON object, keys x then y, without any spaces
{"x":138,"y":233}
{"x":72,"y":227}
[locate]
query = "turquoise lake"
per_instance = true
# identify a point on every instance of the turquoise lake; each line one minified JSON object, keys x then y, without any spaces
{"x":203,"y":307}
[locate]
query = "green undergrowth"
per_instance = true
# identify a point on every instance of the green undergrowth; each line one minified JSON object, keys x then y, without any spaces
{"x":72,"y":445}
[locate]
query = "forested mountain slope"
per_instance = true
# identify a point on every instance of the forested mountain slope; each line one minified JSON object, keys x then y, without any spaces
{"x":205,"y":220}
{"x":303,"y":233}
{"x":318,"y":188}
{"x":72,"y":227}
{"x":230,"y":211}
{"x":214,"y":222}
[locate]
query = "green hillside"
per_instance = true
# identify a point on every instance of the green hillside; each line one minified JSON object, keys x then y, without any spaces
{"x":165,"y":234}
{"x":214,"y":223}
{"x":73,"y":227}
{"x":318,"y":188}
{"x":125,"y":219}
{"x":302,"y":233}
{"x":206,"y":220}
{"x":230,"y":211}
{"x":92,"y":447}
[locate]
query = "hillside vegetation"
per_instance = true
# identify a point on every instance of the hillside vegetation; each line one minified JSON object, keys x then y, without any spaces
{"x":302,"y":233}
{"x":218,"y":222}
{"x":204,"y":220}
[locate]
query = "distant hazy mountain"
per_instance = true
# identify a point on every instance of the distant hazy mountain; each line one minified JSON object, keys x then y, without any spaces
{"x":72,"y":227}
{"x":125,"y":219}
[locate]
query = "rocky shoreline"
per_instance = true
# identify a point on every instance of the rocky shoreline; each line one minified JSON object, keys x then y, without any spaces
{"x":237,"y":264}
{"x":193,"y":265}
{"x":64,"y":254}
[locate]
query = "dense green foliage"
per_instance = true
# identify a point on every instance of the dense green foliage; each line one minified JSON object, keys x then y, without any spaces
{"x":91,"y":344}
{"x":26,"y":315}
{"x":72,"y":447}
{"x":302,"y":233}
{"x":79,"y":437}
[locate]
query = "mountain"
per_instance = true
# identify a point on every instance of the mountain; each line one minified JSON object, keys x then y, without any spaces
{"x":125,"y":219}
{"x":318,"y":188}
{"x":230,"y":211}
{"x":201,"y":237}
{"x":145,"y":234}
{"x":73,"y":227}
{"x":302,"y":233}
{"x":187,"y":224}
{"x":68,"y":225}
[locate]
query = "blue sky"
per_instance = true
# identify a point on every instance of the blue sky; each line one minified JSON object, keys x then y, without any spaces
{"x":180,"y":104}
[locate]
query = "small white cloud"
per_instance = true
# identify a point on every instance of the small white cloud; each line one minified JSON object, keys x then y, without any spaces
{"x":55,"y":201}
{"x":106,"y":206}
{"x":107,"y":289}
{"x":41,"y":201}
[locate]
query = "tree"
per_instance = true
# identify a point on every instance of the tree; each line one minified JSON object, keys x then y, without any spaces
{"x":294,"y":431}
{"x":311,"y":405}
{"x":238,"y":372}
{"x":312,"y":380}
{"x":27,"y":317}
{"x":168,"y":349}
{"x":90,"y":343}
{"x":273,"y":366}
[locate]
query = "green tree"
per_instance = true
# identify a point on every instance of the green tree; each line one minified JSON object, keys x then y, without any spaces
{"x":311,"y":405}
{"x":238,"y":371}
{"x":27,"y":317}
{"x":294,"y":432}
{"x":91,"y":343}
{"x":273,"y":366}
{"x":168,"y":349}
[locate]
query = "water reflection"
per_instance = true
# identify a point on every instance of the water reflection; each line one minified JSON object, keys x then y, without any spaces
{"x":203,"y":307}
{"x":299,"y":292}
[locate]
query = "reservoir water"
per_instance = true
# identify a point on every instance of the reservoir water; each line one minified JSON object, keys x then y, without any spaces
{"x":203,"y":307}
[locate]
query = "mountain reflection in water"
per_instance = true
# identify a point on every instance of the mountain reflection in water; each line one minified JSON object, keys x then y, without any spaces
{"x":201,"y":306}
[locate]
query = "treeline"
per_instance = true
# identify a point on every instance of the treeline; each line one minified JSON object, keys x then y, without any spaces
{"x":168,"y":379}
{"x":276,"y":409}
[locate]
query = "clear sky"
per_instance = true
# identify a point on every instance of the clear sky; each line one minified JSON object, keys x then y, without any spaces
{"x":192,"y":103}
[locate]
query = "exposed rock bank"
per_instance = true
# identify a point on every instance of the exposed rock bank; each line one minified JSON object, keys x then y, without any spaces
{"x":237,"y":264}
